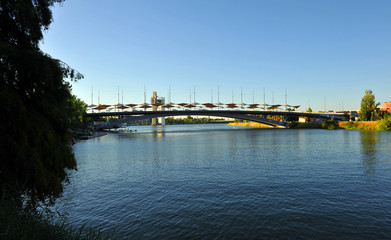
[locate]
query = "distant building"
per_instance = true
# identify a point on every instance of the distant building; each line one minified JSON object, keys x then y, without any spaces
{"x":386,"y":107}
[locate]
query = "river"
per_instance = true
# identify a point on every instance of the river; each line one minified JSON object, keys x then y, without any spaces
{"x":220,"y":182}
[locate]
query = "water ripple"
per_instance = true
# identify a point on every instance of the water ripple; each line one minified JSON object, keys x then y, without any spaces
{"x":203,"y":182}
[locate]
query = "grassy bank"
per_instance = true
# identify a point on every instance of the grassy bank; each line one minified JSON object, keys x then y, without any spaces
{"x":380,"y":125}
{"x":249,"y":124}
{"x":18,"y":224}
{"x":293,"y":125}
{"x":366,"y":125}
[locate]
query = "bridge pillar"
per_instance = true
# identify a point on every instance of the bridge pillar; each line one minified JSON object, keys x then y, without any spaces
{"x":162,"y":120}
{"x":157,"y":103}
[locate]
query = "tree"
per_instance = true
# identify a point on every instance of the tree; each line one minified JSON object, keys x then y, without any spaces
{"x":345,"y":116}
{"x":309,"y":109}
{"x":77,"y":113}
{"x":36,"y":107}
{"x":368,"y":106}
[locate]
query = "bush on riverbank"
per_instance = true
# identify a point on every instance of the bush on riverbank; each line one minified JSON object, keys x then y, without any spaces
{"x":20,"y":224}
{"x":384,"y":124}
{"x":330,"y":124}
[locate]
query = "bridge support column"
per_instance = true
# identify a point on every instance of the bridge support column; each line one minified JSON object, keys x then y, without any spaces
{"x":157,"y":102}
{"x":162,"y":119}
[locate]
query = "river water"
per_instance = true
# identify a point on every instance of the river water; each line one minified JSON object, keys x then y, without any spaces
{"x":220,"y":182}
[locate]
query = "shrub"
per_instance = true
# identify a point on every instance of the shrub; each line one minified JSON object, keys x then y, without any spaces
{"x":350,"y":125}
{"x":384,"y":124}
{"x":330,"y":124}
{"x":15,"y":223}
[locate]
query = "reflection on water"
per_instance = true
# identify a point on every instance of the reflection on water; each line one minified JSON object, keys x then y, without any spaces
{"x":368,"y":148}
{"x":158,"y":133}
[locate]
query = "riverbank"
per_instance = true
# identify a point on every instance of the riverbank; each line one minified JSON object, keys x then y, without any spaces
{"x":193,"y":120}
{"x":362,"y":125}
{"x":380,"y":125}
{"x":91,"y":135}
{"x":249,"y":124}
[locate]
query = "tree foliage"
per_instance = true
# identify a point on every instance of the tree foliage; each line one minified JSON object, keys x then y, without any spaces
{"x":384,"y":123}
{"x":368,"y":106}
{"x":37,"y":106}
{"x":78,"y":113}
{"x":187,"y":120}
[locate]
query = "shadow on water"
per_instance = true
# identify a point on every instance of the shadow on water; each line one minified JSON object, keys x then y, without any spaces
{"x":368,"y":149}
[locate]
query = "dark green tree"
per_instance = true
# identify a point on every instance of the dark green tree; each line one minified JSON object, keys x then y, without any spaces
{"x":345,"y":116}
{"x":37,"y":107}
{"x":368,"y":106}
{"x":309,"y":109}
{"x":78,"y":113}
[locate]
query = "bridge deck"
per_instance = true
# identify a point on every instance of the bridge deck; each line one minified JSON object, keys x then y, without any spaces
{"x":235,"y":114}
{"x":208,"y":113}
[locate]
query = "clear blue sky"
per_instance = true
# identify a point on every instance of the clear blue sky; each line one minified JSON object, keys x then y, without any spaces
{"x":314,"y":49}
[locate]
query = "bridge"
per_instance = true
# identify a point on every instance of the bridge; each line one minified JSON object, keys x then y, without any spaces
{"x":253,"y":115}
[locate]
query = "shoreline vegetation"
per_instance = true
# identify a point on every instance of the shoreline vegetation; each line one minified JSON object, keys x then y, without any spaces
{"x":17,"y":223}
{"x":249,"y":124}
{"x":380,"y":125}
{"x":192,"y":120}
